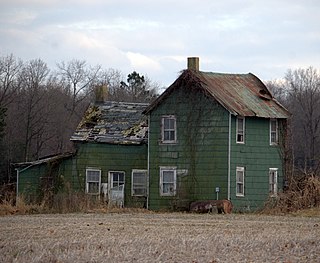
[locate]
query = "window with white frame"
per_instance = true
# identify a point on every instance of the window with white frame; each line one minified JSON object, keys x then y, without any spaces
{"x":93,"y":181}
{"x":240,"y":181}
{"x":168,"y":129}
{"x":168,"y":177}
{"x":273,"y":181}
{"x":139,"y":182}
{"x":116,"y":179}
{"x":240,"y":129}
{"x":273,"y":131}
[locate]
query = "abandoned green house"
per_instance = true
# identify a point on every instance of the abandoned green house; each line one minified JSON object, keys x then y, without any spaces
{"x":208,"y":136}
{"x":110,"y":159}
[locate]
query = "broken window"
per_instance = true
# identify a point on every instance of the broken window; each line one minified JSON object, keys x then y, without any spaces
{"x":139,"y":183}
{"x":117,"y":179}
{"x":240,"y":129}
{"x":168,"y":177}
{"x":93,"y":181}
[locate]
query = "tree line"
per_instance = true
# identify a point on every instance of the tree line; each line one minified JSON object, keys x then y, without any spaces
{"x":41,"y":107}
{"x":299,"y":92}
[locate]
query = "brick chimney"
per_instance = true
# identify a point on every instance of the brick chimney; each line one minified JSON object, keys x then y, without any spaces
{"x":101,"y":93}
{"x":193,"y":63}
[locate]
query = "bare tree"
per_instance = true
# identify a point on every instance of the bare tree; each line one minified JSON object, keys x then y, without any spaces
{"x":10,"y":68}
{"x":34,"y":107}
{"x":303,"y":87}
{"x":79,"y":79}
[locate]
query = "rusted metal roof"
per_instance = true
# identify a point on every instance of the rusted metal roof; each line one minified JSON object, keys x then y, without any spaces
{"x":240,"y":94}
{"x":114,"y":123}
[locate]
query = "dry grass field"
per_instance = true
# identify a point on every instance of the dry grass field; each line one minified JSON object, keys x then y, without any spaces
{"x":159,"y":237}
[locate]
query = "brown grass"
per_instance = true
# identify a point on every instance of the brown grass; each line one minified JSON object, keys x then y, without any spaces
{"x":158,"y":237}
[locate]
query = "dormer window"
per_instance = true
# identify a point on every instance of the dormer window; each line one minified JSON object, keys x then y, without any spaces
{"x":240,"y":129}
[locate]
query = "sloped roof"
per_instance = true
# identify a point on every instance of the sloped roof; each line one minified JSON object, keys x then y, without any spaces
{"x":240,"y":94}
{"x":114,"y":123}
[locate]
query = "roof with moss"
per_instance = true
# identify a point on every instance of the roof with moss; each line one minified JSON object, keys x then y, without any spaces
{"x":114,"y":123}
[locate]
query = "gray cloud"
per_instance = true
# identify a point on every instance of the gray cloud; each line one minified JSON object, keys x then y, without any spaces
{"x":155,"y":37}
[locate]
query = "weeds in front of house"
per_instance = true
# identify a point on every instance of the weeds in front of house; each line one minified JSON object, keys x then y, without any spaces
{"x":303,"y":194}
{"x":61,"y":202}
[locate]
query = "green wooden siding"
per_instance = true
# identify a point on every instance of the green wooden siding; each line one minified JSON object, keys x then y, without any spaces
{"x":112,"y":157}
{"x":32,"y":180}
{"x":256,"y":155}
{"x":201,"y":148}
{"x":72,"y":171}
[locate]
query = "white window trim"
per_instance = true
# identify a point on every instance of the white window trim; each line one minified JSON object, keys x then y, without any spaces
{"x":275,"y":193}
{"x":111,"y":178}
{"x":277,"y":132}
{"x":166,"y":168}
{"x":87,"y":183}
{"x":240,"y":169}
{"x":244,"y":129}
{"x":132,"y":182}
{"x":162,"y":128}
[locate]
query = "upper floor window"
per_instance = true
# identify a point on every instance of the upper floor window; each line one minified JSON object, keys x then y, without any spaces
{"x":273,"y":131}
{"x":273,"y":181}
{"x":240,"y":129}
{"x":93,"y":181}
{"x":240,"y":181}
{"x":168,"y":129}
{"x":168,"y":177}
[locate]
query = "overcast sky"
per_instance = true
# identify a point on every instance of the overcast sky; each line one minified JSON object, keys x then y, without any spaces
{"x":156,"y":37}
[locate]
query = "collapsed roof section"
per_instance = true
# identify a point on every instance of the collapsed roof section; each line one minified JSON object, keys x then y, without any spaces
{"x":114,"y":123}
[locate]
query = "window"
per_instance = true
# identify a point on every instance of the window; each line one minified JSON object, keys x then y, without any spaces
{"x":116,"y":179}
{"x":240,"y":181}
{"x":168,"y":181}
{"x":139,"y":183}
{"x":273,"y":131}
{"x":168,"y":131}
{"x":273,"y":181}
{"x":240,"y":129}
{"x":93,"y":181}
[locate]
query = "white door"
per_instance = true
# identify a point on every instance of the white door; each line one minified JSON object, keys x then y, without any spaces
{"x":116,"y":188}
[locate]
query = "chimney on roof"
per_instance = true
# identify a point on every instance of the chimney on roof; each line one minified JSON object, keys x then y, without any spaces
{"x":101,"y":93}
{"x":193,"y":63}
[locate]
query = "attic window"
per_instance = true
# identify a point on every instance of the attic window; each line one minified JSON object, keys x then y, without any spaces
{"x":264,"y":94}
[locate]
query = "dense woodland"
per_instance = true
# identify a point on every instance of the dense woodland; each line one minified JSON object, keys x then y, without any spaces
{"x":40,"y":107}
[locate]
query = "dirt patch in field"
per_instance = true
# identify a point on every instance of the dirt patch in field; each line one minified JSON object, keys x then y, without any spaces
{"x":155,"y":237}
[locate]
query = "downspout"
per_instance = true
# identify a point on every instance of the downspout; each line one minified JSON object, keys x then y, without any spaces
{"x":148,"y":160}
{"x":17,"y":186}
{"x":229,"y":157}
